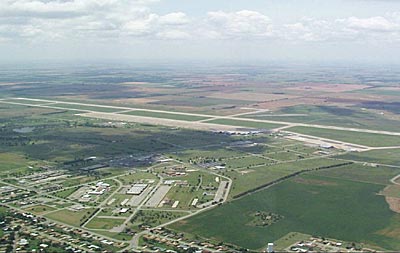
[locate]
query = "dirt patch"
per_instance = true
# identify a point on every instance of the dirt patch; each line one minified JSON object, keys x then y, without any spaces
{"x":394,"y":203}
{"x":391,"y":191}
{"x":312,"y":181}
{"x":243,"y":172}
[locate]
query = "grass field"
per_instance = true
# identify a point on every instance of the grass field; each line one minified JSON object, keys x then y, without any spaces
{"x":357,"y":172}
{"x":65,"y":193}
{"x":289,"y":239}
{"x":368,"y":139}
{"x":352,"y":211}
{"x":244,"y":180}
{"x":154,"y":218}
{"x":12,"y":161}
{"x":104,"y":223}
{"x":245,"y":162}
{"x":135,"y":177}
{"x":387,"y":156}
{"x":330,"y":115}
{"x":85,"y":107}
{"x":39,"y":209}
{"x":244,"y":123}
{"x":74,"y":218}
{"x":165,"y":115}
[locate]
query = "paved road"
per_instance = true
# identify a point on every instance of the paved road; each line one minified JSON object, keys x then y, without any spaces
{"x":212,"y":117}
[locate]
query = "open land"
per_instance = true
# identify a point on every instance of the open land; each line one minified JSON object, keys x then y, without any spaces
{"x":214,"y":160}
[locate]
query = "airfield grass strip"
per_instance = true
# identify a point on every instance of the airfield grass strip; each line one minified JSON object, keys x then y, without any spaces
{"x":240,"y":195}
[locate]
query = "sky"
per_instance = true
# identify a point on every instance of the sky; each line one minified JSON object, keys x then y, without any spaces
{"x":206,"y":30}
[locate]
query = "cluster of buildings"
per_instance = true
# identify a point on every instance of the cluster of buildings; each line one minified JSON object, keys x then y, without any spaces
{"x":40,"y":235}
{"x":176,"y":242}
{"x":43,"y":177}
{"x":325,"y":245}
{"x":96,"y":190}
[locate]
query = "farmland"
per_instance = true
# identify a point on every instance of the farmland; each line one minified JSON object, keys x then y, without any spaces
{"x":360,"y":220}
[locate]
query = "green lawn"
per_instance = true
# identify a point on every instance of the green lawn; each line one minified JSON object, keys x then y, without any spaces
{"x":368,"y":139}
{"x":335,"y":208}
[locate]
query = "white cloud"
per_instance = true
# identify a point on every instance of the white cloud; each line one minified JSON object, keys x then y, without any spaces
{"x":240,"y":24}
{"x":125,"y":20}
{"x":175,"y":18}
{"x":378,"y":23}
{"x":173,"y":35}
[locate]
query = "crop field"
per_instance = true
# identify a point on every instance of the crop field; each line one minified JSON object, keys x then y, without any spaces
{"x":386,"y":156}
{"x":364,"y":216}
{"x":368,"y":139}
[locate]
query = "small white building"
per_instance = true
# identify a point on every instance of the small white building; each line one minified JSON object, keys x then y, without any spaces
{"x":270,"y":247}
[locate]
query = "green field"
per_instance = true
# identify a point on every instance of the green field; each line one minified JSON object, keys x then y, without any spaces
{"x":12,"y":161}
{"x":335,"y":208}
{"x":244,"y":123}
{"x":386,"y":156}
{"x":357,"y":172}
{"x":248,"y":179}
{"x":65,"y":193}
{"x":39,"y":209}
{"x":73,"y":218}
{"x":85,"y":107}
{"x":154,"y":218}
{"x":331,"y":116}
{"x":104,"y":223}
{"x":165,"y":115}
{"x":368,"y":139}
{"x":246,"y":162}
